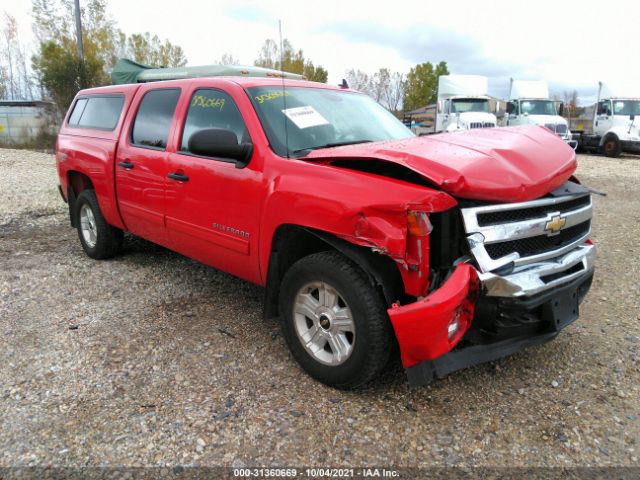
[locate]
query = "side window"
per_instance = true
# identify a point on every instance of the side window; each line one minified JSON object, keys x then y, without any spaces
{"x":78,"y":108}
{"x":511,"y":108}
{"x":153,"y":119}
{"x":102,"y":113}
{"x":212,"y":109}
{"x":604,"y":108}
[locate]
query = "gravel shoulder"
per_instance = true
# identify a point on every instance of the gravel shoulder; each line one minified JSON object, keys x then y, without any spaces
{"x":154,"y":359}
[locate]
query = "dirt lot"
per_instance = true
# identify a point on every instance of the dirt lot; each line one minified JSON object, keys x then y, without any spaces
{"x":168,"y":362}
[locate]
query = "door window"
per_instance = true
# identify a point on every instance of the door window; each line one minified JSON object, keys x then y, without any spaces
{"x":213,"y":109}
{"x":604,"y":108}
{"x":153,"y":120}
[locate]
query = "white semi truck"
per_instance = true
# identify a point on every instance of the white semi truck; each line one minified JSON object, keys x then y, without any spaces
{"x":612,"y":125}
{"x":463,"y":103}
{"x":529,"y":104}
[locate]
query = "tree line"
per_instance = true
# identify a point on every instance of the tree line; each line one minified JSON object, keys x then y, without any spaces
{"x":57,"y":72}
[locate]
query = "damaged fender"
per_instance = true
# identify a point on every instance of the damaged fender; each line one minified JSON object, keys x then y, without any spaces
{"x":422,"y":328}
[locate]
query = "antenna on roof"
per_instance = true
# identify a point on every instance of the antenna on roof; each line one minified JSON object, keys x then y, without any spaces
{"x":284,"y":93}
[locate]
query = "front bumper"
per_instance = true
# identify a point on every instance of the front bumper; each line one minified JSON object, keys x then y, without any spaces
{"x":571,"y":142}
{"x":551,"y":311}
{"x":632,"y":146}
{"x":497,"y":315}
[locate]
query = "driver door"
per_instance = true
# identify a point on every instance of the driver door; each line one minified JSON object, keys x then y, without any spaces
{"x":213,"y":208}
{"x":604,"y":119}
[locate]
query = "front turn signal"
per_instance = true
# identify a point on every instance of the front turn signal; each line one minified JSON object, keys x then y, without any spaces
{"x":418,"y":223}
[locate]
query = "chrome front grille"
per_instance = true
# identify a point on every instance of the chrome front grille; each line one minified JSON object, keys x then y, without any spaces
{"x":481,"y":125}
{"x":529,"y":246}
{"x":527,"y":232}
{"x":557,"y":128}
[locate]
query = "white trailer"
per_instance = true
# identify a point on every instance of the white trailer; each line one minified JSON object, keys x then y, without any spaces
{"x":529,"y":104}
{"x":463,"y":103}
{"x":610,"y":126}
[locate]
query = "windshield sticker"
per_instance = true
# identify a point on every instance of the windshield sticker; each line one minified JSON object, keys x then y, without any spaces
{"x":305,"y":117}
{"x":265,"y":97}
{"x":204,"y":102}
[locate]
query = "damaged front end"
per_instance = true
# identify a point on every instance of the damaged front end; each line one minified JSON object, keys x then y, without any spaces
{"x":502,"y":277}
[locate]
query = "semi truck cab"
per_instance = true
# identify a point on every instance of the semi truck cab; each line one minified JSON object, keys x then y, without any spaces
{"x":463,"y":103}
{"x":529,"y":104}
{"x":610,"y":126}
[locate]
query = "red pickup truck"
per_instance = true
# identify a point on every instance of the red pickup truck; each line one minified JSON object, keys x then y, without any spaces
{"x":453,"y":249}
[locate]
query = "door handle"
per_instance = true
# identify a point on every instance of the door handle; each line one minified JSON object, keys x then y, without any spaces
{"x":181,"y":177}
{"x":126,"y":164}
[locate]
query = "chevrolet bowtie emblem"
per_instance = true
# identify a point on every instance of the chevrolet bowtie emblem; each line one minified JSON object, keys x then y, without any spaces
{"x":555,"y":224}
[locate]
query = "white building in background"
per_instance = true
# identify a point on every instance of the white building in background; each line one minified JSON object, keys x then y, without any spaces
{"x":22,"y":120}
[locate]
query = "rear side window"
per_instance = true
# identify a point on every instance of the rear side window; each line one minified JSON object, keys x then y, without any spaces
{"x":101,"y":113}
{"x":153,"y":120}
{"x":77,"y":111}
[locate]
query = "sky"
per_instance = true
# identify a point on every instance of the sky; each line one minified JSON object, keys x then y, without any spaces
{"x":571,"y":44}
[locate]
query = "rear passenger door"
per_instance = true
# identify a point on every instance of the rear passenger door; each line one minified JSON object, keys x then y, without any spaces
{"x":213,"y":207}
{"x":141,"y":163}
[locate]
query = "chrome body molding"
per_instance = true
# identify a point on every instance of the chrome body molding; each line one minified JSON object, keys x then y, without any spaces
{"x":531,"y":279}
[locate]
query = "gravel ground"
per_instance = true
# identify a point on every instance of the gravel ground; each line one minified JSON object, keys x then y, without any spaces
{"x":153,"y":359}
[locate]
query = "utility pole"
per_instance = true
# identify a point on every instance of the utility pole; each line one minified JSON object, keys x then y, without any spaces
{"x":79,"y":31}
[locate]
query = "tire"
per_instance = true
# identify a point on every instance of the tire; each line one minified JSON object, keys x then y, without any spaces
{"x":364,"y":351}
{"x":611,"y":146}
{"x":99,"y":240}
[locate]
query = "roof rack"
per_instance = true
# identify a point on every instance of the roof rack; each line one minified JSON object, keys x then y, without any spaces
{"x":128,"y":71}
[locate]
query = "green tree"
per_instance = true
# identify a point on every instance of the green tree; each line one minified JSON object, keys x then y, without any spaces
{"x":360,"y":81}
{"x":62,"y":74}
{"x":150,"y":50}
{"x":289,"y":60}
{"x":227,"y":59}
{"x":421,"y":86}
{"x":57,"y":65}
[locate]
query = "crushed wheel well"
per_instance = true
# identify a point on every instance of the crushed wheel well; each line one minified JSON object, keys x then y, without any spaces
{"x":292,"y":242}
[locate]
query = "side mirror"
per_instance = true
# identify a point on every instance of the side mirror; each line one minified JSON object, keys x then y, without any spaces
{"x":632,"y":117}
{"x":561,"y":109}
{"x":221,"y":143}
{"x":497,"y":107}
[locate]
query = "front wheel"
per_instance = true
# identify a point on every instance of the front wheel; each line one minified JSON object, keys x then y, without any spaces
{"x":611,"y":146}
{"x":99,"y":240}
{"x":335,"y":321}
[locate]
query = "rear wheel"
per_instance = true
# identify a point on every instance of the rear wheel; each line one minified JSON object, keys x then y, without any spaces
{"x":611,"y":146}
{"x":99,"y":240}
{"x":335,"y":321}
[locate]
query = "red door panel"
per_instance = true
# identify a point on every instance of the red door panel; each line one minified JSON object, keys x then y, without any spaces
{"x":214,"y":216}
{"x":141,"y":163}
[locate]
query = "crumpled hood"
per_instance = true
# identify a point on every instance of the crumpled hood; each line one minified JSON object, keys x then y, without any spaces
{"x":511,"y":164}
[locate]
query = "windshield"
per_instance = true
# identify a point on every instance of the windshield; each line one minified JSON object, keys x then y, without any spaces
{"x":461,"y":105}
{"x":538,"y":107}
{"x":318,"y":117}
{"x":626,"y":107}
